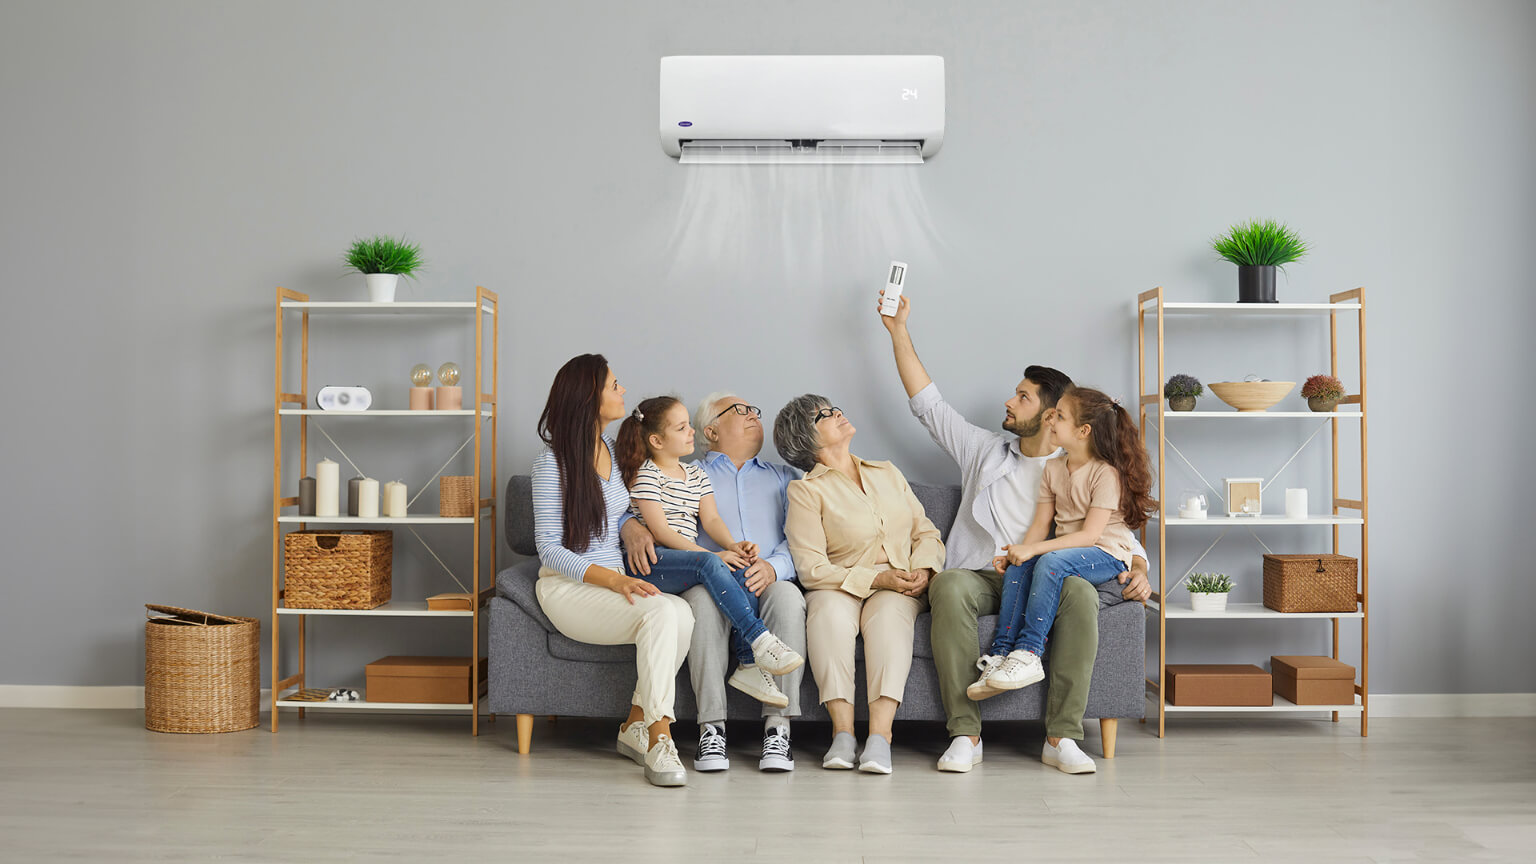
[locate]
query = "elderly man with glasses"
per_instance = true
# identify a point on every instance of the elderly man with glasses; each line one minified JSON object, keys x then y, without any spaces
{"x":750,"y":496}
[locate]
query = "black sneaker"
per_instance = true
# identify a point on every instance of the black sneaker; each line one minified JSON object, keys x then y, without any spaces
{"x":776,"y":753}
{"x":711,"y":754}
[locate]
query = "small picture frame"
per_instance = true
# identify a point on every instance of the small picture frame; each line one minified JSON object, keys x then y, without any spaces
{"x":1245,"y":496}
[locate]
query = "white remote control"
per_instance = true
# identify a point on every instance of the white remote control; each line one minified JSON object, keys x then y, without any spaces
{"x":893,"y":282}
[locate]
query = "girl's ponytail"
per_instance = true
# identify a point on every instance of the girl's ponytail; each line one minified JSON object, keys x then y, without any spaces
{"x":1117,"y":441}
{"x":632,"y":444}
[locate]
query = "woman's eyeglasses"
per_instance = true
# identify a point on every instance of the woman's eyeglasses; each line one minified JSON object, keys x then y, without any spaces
{"x":825,"y":413}
{"x":741,"y":408}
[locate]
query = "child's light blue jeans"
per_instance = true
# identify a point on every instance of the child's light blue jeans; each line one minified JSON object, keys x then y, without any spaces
{"x":677,"y":570}
{"x":1032,"y":590}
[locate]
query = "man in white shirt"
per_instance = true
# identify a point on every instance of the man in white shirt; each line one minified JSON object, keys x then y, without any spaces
{"x":999,"y":483}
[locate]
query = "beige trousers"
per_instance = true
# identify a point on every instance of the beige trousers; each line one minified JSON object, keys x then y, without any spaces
{"x":886,"y":619}
{"x":659,"y":627}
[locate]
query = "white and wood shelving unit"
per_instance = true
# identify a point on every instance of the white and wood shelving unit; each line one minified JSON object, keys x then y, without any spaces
{"x":1345,"y":513}
{"x":294,"y":406}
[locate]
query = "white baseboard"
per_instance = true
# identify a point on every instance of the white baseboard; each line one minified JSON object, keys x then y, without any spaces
{"x":1382,"y":704}
{"x":49,"y":696}
{"x":1453,"y":705}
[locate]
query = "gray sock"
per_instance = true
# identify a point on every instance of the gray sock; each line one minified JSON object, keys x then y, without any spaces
{"x":840,"y":754}
{"x":876,"y":756}
{"x":775,"y":721}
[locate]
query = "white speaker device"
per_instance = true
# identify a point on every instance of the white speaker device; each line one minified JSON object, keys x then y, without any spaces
{"x":344,"y":398}
{"x":897,"y":277}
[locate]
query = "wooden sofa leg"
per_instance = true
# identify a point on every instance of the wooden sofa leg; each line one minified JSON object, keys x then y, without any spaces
{"x":1108,"y":726}
{"x":524,"y":732}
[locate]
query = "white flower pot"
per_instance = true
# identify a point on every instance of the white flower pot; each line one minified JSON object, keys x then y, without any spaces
{"x":381,"y":286}
{"x":1208,"y":602}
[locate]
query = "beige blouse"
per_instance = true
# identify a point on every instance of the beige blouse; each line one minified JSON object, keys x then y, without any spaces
{"x":836,"y":531}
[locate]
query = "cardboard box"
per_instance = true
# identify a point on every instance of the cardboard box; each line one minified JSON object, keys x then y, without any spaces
{"x":1314,"y":680}
{"x":456,"y":601}
{"x":443,"y":680}
{"x":1219,"y":685}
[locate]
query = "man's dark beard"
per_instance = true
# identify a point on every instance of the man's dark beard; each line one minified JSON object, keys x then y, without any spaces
{"x":1026,"y":429}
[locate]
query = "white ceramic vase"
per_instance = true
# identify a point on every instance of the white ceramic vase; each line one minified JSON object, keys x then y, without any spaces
{"x":381,"y":286}
{"x":1208,"y":602}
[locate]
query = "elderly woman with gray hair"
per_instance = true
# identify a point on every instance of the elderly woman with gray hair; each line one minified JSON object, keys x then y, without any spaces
{"x":864,"y":551}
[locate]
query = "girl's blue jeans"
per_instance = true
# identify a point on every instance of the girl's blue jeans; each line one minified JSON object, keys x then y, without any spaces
{"x":677,"y":570}
{"x":1032,"y":590}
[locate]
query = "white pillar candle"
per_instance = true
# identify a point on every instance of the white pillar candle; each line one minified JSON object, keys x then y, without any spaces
{"x":394,"y":499}
{"x":1295,"y":503}
{"x":368,"y":499}
{"x":327,"y":488}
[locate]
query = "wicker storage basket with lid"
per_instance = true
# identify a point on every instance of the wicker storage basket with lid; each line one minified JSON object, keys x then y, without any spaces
{"x":1311,"y":583}
{"x":201,"y":671}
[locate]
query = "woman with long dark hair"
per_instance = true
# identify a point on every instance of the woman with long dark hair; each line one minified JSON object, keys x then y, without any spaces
{"x":578,"y":500}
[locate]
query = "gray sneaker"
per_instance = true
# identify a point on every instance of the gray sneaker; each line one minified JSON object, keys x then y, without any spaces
{"x":876,"y":758}
{"x":840,"y":755}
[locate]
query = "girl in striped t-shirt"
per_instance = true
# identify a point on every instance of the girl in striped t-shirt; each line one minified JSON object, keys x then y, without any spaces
{"x":673,"y":500}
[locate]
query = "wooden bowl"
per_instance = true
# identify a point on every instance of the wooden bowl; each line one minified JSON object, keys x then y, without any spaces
{"x":1251,"y":395}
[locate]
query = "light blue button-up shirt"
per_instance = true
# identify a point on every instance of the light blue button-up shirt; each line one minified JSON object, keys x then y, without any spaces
{"x":752,"y":501}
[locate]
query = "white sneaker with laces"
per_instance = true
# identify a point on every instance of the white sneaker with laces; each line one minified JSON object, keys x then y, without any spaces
{"x":772,"y":654}
{"x":633,"y":741}
{"x":711,"y":755}
{"x":663,"y":767}
{"x":777,"y":755}
{"x":757,"y":683}
{"x":980,"y":689}
{"x":1020,"y":669}
{"x":1067,"y":757}
{"x":961,"y":756}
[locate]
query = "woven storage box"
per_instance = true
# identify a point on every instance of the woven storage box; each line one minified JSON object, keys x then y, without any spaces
{"x":337,"y":569}
{"x":1310,"y":583}
{"x":457,"y":496}
{"x":201,"y":672}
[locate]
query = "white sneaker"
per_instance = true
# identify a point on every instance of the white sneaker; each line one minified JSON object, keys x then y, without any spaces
{"x":981,"y":689}
{"x":663,"y":767}
{"x":634,"y":741}
{"x":961,"y":756}
{"x":711,"y":755}
{"x":772,"y":654}
{"x":1020,"y":669}
{"x":757,"y":683}
{"x":1067,"y":758}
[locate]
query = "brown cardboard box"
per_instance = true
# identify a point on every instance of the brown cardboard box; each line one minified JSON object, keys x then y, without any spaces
{"x":1314,"y":680}
{"x":456,"y":601}
{"x":1219,"y":685}
{"x":421,"y":679}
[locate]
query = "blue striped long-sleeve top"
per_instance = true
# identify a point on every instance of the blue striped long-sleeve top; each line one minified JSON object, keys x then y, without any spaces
{"x":549,"y":519}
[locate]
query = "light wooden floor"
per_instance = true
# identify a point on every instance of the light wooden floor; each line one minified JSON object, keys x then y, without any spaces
{"x":94,"y":785}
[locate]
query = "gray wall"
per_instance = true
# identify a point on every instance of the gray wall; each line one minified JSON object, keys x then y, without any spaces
{"x":167,"y":164}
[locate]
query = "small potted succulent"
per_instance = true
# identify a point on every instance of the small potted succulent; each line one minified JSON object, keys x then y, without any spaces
{"x":1257,"y":248}
{"x":1322,"y":392}
{"x":382,"y":261}
{"x":1208,"y":591}
{"x":1181,"y":391}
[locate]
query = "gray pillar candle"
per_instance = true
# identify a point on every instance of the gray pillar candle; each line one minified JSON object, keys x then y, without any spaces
{"x":306,"y":496}
{"x":352,"y":496}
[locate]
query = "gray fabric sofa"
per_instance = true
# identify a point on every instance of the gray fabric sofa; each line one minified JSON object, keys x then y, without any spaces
{"x":536,"y":670}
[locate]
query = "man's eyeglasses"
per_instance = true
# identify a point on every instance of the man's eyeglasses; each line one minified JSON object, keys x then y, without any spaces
{"x":825,"y":413}
{"x":741,"y":408}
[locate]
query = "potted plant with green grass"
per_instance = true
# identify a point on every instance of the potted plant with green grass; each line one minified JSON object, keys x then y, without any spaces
{"x":1181,"y":392}
{"x":1208,"y":591}
{"x":1257,"y":248}
{"x":383,"y":260}
{"x":1322,"y":392}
